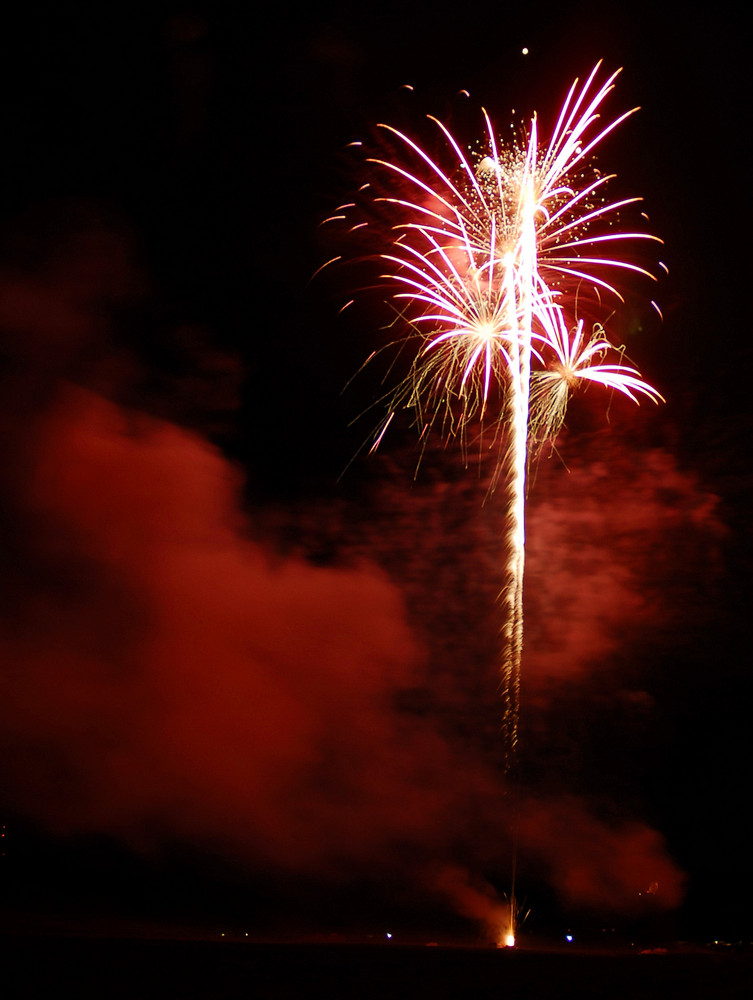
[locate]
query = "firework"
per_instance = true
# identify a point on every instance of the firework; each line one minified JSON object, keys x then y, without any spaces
{"x":495,"y":251}
{"x":498,"y":256}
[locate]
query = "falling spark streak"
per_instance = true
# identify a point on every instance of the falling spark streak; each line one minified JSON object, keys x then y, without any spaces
{"x":492,"y":256}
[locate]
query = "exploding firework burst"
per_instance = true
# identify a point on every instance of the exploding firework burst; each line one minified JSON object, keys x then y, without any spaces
{"x":495,"y":251}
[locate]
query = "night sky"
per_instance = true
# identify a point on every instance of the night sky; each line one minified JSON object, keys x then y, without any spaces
{"x":249,"y":672}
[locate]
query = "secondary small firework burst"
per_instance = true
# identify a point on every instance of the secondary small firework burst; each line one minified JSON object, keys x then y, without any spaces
{"x":498,"y":255}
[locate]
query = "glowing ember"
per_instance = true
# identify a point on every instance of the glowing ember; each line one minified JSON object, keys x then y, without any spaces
{"x":512,"y":917}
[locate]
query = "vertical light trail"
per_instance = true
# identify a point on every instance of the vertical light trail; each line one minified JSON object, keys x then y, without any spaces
{"x":520,"y":278}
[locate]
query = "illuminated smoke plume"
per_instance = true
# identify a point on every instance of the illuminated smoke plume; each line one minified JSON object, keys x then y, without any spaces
{"x":167,"y":676}
{"x":183,"y":678}
{"x":604,"y":866}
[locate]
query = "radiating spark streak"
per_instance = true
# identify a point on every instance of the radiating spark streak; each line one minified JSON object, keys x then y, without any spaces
{"x":591,"y":278}
{"x":378,"y":440}
{"x":609,"y":237}
{"x":490,"y":251}
{"x":569,"y":206}
{"x":325,"y":264}
{"x":568,"y":136}
{"x":560,"y":130}
{"x":607,"y":262}
{"x":461,"y":158}
{"x":425,"y":187}
{"x":434,"y":166}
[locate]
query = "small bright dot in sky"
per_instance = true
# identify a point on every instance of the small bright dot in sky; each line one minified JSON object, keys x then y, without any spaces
{"x":389,"y":935}
{"x":524,"y":51}
{"x":568,"y":937}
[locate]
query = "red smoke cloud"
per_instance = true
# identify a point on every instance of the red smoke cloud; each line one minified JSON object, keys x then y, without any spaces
{"x":591,"y":863}
{"x":167,"y":676}
{"x":622,"y":543}
{"x":172,"y":678}
{"x":182,"y":681}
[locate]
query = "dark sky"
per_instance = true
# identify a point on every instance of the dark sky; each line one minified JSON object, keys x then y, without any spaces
{"x":237,"y":684}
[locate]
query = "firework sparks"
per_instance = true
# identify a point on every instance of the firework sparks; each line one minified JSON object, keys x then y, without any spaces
{"x":510,"y":916}
{"x":497,"y":255}
{"x":494,"y":253}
